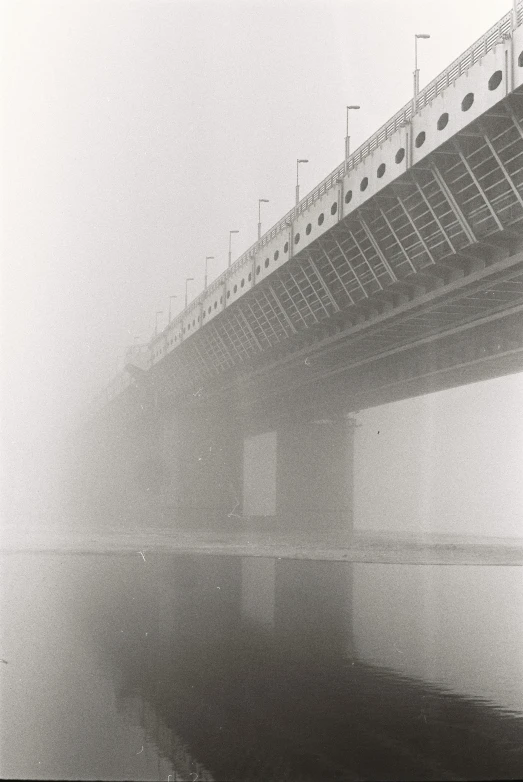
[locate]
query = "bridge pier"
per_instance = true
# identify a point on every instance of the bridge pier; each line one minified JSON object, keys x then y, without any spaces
{"x":315,"y":474}
{"x":202,"y":455}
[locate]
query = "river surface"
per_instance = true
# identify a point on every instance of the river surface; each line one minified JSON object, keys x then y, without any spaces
{"x":186,"y":667}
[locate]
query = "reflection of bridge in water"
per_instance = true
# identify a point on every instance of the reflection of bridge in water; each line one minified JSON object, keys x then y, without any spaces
{"x":239,"y":686}
{"x":401,"y":273}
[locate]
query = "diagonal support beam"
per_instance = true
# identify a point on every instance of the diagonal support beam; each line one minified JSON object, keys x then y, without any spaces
{"x":334,"y":269}
{"x":249,"y":328}
{"x":304,"y":272}
{"x":222,"y":342}
{"x":414,"y":228}
{"x":362,"y":253}
{"x":235,"y":339}
{"x":281,"y":281}
{"x":303,"y":296}
{"x":219,"y":356}
{"x":432,"y":212}
{"x":502,"y":167}
{"x":212,"y":369}
{"x":322,"y":282}
{"x":475,"y":180}
{"x":377,"y":249}
{"x":281,"y":308}
{"x":398,"y":241}
{"x":257,"y":320}
{"x":352,"y":267}
{"x":465,"y":227}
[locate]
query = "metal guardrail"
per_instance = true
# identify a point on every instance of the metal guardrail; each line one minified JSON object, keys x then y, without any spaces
{"x":488,"y":41}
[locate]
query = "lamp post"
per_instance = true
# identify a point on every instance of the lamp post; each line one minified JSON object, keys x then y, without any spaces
{"x":230,"y":244}
{"x":347,"y":137}
{"x":260,"y":202}
{"x":298,"y":179}
{"x":187,"y":280}
{"x":160,"y":312}
{"x":170,"y":300}
{"x":416,"y":69}
{"x":207,"y":258}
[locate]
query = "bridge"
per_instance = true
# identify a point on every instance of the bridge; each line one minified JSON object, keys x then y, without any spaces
{"x":399,"y":274}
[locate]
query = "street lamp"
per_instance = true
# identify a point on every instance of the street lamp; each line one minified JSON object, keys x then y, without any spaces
{"x":187,"y":279}
{"x":230,"y":244}
{"x":170,"y":300}
{"x":207,"y":258}
{"x":298,"y":180}
{"x":416,"y":69}
{"x":347,"y":137}
{"x":160,"y":312}
{"x":260,"y":202}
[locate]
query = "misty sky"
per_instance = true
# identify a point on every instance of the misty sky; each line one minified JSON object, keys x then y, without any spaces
{"x":137,"y":134}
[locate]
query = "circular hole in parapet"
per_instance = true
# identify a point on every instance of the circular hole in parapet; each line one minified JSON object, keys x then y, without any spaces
{"x":420,"y":139}
{"x":297,"y":238}
{"x":364,"y":183}
{"x":443,"y":121}
{"x":334,"y":208}
{"x":348,"y":196}
{"x":308,"y":229}
{"x":286,"y":247}
{"x":400,"y":154}
{"x":276,"y":255}
{"x":467,"y":101}
{"x":381,"y":170}
{"x":495,"y":80}
{"x":321,"y":218}
{"x":267,"y":262}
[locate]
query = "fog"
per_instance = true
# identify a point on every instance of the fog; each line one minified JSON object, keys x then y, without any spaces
{"x":135,"y":136}
{"x":446,"y":463}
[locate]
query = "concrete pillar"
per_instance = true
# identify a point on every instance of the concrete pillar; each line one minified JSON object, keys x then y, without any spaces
{"x":203,"y":458}
{"x":314,"y":474}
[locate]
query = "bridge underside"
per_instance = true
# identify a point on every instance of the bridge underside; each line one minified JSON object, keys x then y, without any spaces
{"x":436,"y":252}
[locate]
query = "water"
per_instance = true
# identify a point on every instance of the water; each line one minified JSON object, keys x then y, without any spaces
{"x":201,"y":667}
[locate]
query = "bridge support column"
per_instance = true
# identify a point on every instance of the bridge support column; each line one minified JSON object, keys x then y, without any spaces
{"x":314,"y":474}
{"x":203,"y":458}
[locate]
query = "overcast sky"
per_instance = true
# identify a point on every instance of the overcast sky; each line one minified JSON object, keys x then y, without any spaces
{"x":137,"y":134}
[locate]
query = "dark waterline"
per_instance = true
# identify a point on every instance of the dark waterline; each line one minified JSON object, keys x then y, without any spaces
{"x":186,"y":667}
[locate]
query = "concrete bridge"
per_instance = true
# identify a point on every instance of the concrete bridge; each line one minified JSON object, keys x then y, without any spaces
{"x":400,"y":273}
